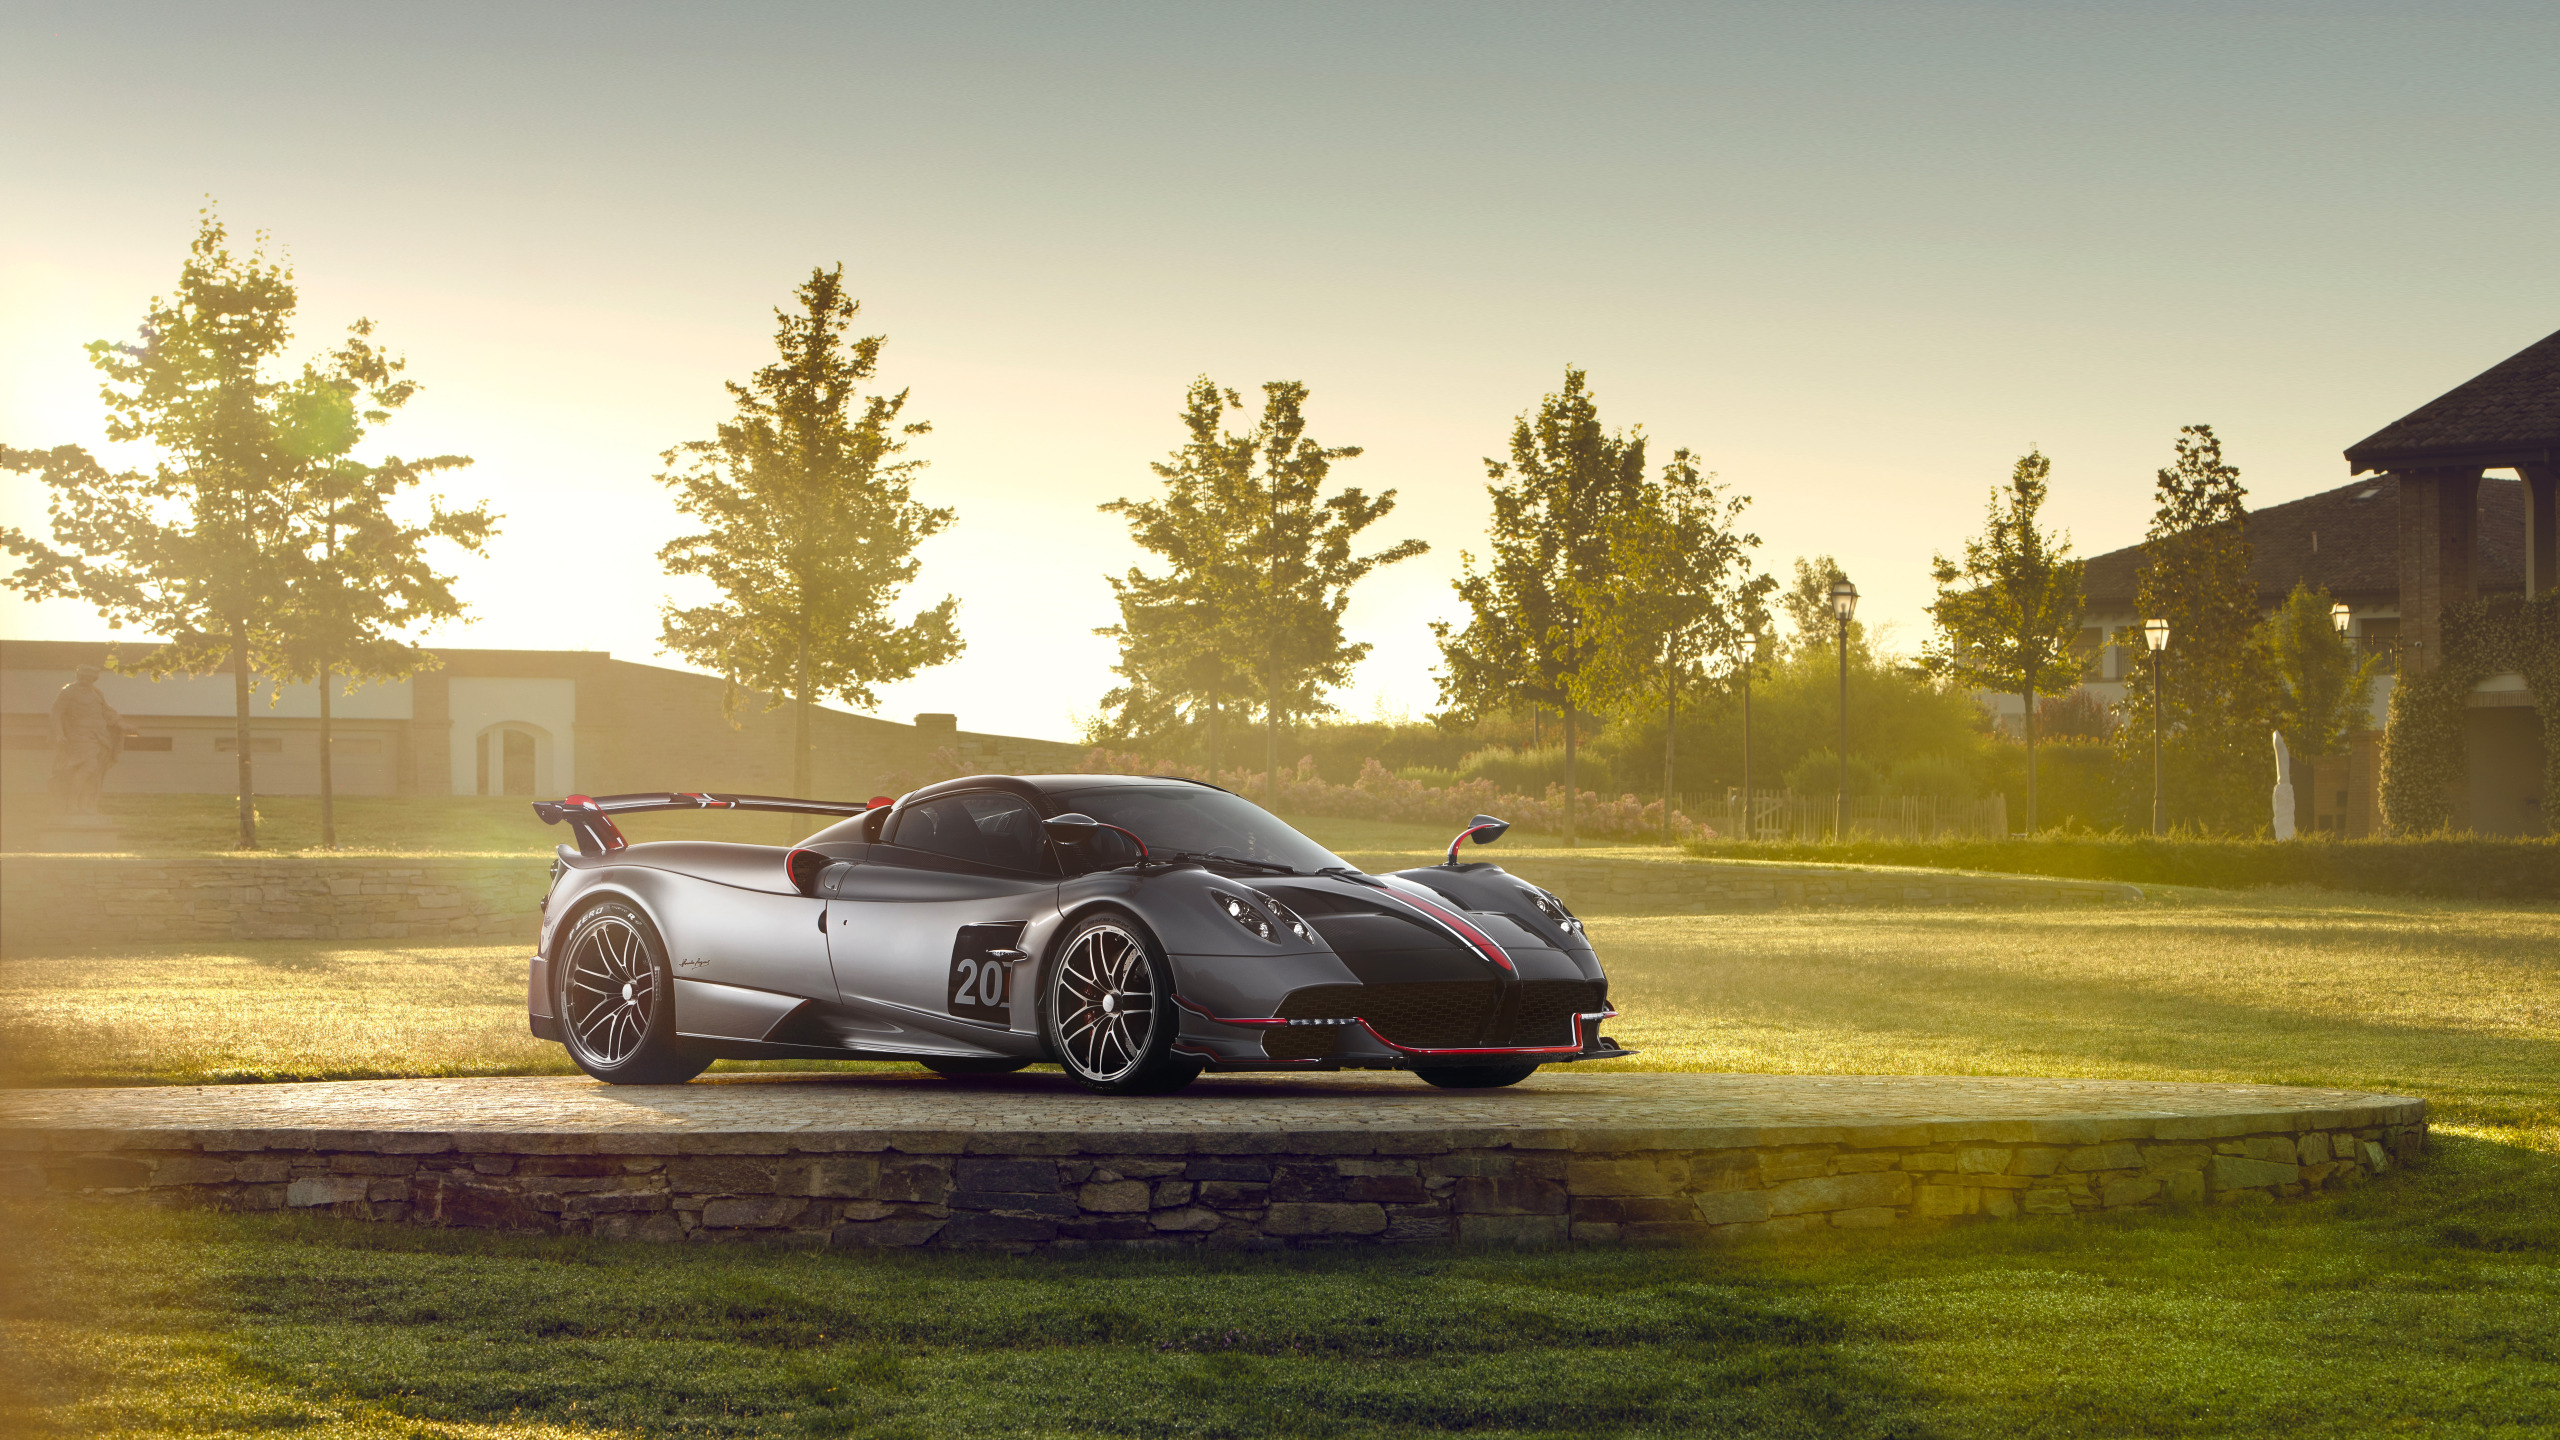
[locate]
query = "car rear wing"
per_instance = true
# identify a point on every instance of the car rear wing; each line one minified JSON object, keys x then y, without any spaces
{"x":592,"y":816}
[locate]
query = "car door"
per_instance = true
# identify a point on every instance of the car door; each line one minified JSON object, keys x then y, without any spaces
{"x":917,"y":930}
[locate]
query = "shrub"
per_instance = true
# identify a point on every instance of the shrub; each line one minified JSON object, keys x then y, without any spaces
{"x":1527,"y":771}
{"x":1819,"y":774}
{"x":2454,"y":866}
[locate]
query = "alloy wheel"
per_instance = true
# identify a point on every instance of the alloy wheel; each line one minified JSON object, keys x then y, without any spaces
{"x":1105,"y":1003}
{"x":612,"y":990}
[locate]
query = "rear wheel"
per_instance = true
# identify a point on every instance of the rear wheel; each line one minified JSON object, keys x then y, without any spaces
{"x":615,"y":997}
{"x":958,"y":1066}
{"x":1106,"y":1007}
{"x":1474,"y":1077}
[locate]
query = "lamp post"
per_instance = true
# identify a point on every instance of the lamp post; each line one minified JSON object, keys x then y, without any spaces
{"x":2155,"y":633}
{"x":1844,"y":603}
{"x":2342,"y":619}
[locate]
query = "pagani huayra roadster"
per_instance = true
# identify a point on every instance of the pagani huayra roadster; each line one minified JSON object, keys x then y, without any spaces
{"x":1133,"y":931}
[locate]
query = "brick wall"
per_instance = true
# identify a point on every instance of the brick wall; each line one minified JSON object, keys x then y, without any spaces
{"x":73,"y":899}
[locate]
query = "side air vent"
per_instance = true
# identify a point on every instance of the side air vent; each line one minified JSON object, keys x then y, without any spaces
{"x":804,"y":867}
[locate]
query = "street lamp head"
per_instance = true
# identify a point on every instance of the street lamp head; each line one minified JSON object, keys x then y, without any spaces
{"x":2155,"y":633}
{"x":2341,"y":617}
{"x":1844,"y":599}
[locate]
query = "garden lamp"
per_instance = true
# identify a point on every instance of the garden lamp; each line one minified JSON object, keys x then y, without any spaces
{"x":2155,"y":633}
{"x":2341,"y":617}
{"x":1844,"y":599}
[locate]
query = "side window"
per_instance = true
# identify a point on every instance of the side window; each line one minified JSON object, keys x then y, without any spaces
{"x":985,"y":828}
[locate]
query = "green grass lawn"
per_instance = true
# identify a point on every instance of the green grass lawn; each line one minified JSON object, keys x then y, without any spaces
{"x":2427,"y":1302}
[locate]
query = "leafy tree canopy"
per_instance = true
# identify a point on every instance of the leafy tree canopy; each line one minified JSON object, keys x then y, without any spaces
{"x":810,"y":525}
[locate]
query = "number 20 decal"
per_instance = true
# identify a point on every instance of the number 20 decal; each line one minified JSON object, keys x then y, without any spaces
{"x":980,"y":982}
{"x":980,"y":987}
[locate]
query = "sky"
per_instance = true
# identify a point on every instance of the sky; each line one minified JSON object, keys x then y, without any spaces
{"x":1859,"y":257}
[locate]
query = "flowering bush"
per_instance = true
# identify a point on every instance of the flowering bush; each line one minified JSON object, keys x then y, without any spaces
{"x":1380,"y":795}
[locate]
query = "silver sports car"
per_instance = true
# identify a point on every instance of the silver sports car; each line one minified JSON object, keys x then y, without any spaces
{"x":1134,"y":931}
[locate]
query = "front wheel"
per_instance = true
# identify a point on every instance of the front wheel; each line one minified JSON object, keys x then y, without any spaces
{"x":615,"y":997}
{"x":1474,"y":1077}
{"x":1106,"y":1008}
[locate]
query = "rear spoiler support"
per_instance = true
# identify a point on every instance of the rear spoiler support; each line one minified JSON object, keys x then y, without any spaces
{"x":592,"y":816}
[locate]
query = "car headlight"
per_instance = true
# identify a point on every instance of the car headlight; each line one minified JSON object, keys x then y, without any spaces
{"x":1243,"y":914}
{"x":1551,"y":907}
{"x":1289,"y":920}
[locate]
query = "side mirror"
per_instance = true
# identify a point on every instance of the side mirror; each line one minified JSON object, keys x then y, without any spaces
{"x":1070,"y":829}
{"x":1483,"y":830}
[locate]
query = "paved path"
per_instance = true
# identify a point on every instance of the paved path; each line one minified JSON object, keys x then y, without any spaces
{"x":943,"y":1114}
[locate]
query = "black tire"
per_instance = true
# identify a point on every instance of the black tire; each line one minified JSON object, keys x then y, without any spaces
{"x":1105,"y":973}
{"x":1474,"y":1077}
{"x":957,"y":1066}
{"x":616,"y":999}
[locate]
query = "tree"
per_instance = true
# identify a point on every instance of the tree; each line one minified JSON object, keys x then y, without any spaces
{"x":811,"y":526}
{"x":1529,"y":633}
{"x":2214,"y":702}
{"x":1182,"y":654}
{"x":2009,"y":612}
{"x":1807,"y":603}
{"x":1263,"y":563}
{"x":2323,"y":694}
{"x":364,"y":575}
{"x":1680,"y":596}
{"x":203,"y":546}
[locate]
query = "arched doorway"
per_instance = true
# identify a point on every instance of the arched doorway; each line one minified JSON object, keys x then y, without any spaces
{"x":515,"y":759}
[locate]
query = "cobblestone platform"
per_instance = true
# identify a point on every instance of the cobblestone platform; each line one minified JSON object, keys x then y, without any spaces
{"x":1030,"y":1160}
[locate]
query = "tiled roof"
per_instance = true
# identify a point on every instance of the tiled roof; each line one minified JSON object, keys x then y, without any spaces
{"x":2345,"y":540}
{"x":2508,"y":414}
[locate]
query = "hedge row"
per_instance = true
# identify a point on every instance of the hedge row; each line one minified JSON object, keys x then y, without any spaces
{"x":2455,"y":866}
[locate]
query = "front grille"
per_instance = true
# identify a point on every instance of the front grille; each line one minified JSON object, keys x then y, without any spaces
{"x":1547,"y":1008}
{"x":1300,"y":1042}
{"x":1427,"y":1016}
{"x":1434,"y":1016}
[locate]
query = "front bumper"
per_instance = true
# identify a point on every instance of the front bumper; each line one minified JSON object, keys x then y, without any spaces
{"x":1359,"y":1041}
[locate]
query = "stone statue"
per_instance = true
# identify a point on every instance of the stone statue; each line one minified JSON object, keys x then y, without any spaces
{"x":88,"y":735}
{"x":2284,"y":789}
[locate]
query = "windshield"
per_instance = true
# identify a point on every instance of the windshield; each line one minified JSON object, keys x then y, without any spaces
{"x":1201,"y":821}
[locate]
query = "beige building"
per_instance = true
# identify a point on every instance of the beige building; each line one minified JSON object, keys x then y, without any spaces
{"x":486,"y":722}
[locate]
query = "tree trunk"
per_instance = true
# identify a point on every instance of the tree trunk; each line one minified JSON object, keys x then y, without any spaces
{"x":240,"y":735}
{"x":802,"y":782}
{"x":1271,"y":735}
{"x":328,"y":788}
{"x":1569,"y":783}
{"x":1670,"y":744}
{"x":2030,"y":698}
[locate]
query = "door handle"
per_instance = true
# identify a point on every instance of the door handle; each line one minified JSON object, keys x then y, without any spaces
{"x":1007,"y":957}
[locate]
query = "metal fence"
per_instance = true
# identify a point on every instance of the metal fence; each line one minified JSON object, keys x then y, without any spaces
{"x":1786,"y":815}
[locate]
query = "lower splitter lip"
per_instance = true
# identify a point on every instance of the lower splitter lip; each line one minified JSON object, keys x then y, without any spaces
{"x":1587,"y":1044}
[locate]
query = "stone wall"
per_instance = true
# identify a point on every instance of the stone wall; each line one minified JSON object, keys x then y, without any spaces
{"x":1024,"y":1189}
{"x":73,"y":899}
